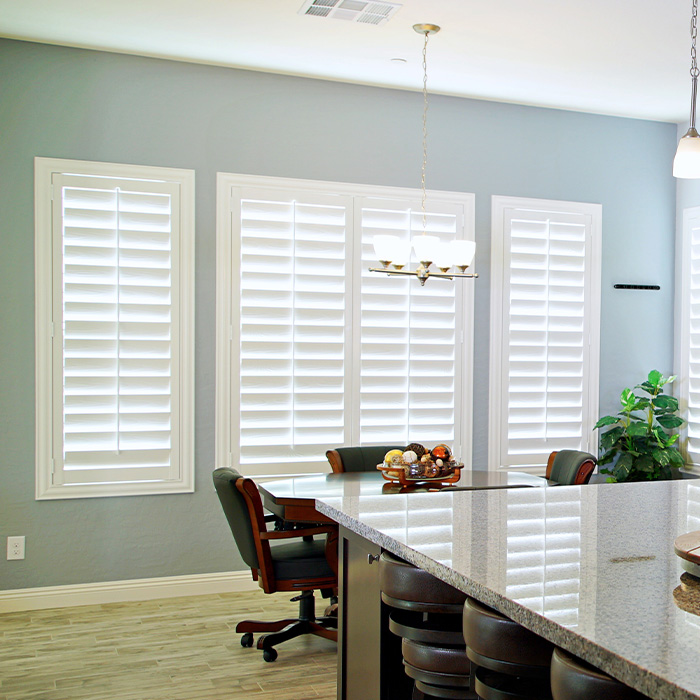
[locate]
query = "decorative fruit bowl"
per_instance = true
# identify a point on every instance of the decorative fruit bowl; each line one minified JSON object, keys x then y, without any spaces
{"x":417,"y":464}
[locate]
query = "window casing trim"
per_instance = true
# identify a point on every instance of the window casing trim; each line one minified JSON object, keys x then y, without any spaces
{"x":44,"y":169}
{"x":228,"y":269}
{"x":499,"y":205}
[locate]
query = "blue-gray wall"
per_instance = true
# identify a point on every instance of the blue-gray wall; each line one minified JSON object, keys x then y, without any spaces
{"x":70,"y":103}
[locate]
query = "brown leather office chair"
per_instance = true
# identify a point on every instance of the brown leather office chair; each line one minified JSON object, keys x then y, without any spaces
{"x":279,"y":564}
{"x":570,"y":467}
{"x":358,"y":459}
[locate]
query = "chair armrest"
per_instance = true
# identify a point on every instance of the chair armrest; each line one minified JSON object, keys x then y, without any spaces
{"x":302,"y":532}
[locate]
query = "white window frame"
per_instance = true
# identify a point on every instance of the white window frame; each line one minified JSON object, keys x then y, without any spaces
{"x":228,"y":270}
{"x":497,"y":378}
{"x":49,"y":428}
{"x":681,"y":388}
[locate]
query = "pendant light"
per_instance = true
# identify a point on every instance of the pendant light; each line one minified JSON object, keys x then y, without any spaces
{"x":686,"y":164}
{"x":428,"y":249}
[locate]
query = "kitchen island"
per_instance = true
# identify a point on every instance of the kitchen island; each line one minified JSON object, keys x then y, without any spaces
{"x":591,"y":568}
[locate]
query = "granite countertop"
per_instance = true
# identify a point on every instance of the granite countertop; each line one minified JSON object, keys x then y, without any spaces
{"x":591,"y":568}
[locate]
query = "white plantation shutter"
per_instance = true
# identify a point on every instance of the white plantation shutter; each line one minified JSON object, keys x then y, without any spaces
{"x":409,"y":346}
{"x":545,"y":316}
{"x":313,"y":351}
{"x":119,"y":406}
{"x":292,"y":340}
{"x":689,"y":351}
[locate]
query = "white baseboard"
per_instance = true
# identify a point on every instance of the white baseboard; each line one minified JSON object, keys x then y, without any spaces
{"x":122,"y":591}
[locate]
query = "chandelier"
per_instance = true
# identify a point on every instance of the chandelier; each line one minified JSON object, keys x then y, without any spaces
{"x":391,"y":252}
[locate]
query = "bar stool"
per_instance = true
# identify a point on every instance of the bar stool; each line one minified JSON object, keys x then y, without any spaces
{"x":427,"y":614}
{"x":574,"y":679}
{"x":511,"y":662}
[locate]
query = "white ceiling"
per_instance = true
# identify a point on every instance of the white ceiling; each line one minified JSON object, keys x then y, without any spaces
{"x":621,"y":57}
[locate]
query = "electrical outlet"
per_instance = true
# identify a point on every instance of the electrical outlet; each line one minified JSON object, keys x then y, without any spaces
{"x":15,"y":547}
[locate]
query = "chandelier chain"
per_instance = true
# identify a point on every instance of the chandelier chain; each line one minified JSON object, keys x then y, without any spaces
{"x":694,"y":34}
{"x":425,"y":125}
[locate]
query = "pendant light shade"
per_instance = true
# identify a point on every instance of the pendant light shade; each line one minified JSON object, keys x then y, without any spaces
{"x":425,"y":248}
{"x":686,"y":164}
{"x":387,"y":248}
{"x":463,"y":253}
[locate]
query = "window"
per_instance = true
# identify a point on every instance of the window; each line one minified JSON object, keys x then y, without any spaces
{"x":688,"y":384}
{"x":316,"y":352}
{"x":114,"y":329}
{"x":545,"y":326}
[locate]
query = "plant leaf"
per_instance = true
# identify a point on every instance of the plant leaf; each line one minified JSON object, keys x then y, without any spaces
{"x":670,"y":421}
{"x":661,"y":456}
{"x":666,"y":402}
{"x":655,"y":378}
{"x":637,"y":429}
{"x":627,"y":399}
{"x":605,"y":420}
{"x":621,"y":471}
{"x":676,"y":458}
{"x":609,"y":438}
{"x":645,"y":463}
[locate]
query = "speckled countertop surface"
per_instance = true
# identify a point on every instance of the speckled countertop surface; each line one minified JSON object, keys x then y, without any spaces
{"x":591,"y":568}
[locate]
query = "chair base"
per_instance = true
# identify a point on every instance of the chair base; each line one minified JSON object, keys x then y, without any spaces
{"x":282,"y":630}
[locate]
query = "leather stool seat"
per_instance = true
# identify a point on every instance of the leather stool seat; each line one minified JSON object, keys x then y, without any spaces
{"x":406,"y":584}
{"x":511,"y":661}
{"x":438,"y":671}
{"x":434,"y":658}
{"x":424,"y":608}
{"x":574,"y":679}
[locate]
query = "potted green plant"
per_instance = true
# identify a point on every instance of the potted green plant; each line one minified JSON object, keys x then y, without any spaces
{"x":638,"y":443}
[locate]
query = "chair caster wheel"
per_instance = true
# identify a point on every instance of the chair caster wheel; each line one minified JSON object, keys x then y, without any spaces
{"x":269,"y":654}
{"x":247,"y":639}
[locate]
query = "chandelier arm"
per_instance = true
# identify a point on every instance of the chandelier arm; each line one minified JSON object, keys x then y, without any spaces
{"x":448,"y":275}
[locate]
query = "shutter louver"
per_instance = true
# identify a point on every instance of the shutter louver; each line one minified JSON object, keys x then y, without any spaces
{"x":546,"y":310}
{"x":409,"y":350}
{"x":118,"y":303}
{"x":292,"y":331}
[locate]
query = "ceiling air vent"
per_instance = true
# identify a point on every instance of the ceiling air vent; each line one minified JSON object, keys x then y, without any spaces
{"x":363,"y":11}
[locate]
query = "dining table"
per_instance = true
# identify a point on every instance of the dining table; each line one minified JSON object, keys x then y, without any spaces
{"x":294,"y":499}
